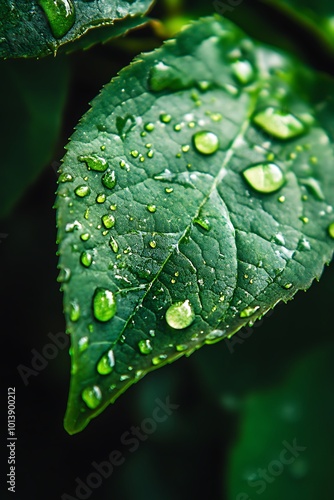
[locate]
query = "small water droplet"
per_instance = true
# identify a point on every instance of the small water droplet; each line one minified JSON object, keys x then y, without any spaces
{"x":287,"y":286}
{"x":64,"y":177}
{"x":60,"y":14}
{"x":178,"y":127}
{"x":278,"y":123}
{"x":150,"y":153}
{"x":243,"y":71}
{"x":158,"y":359}
{"x":249,"y":311}
{"x":74,"y":311}
{"x":64,"y":275}
{"x":204,"y":223}
{"x":331,"y":230}
{"x":206,"y":142}
{"x":134,"y":153}
{"x":153,"y":244}
{"x":104,"y":304}
{"x":94,"y":162}
{"x":151,"y":208}
{"x":109,"y":179}
{"x":181,"y":347}
{"x":281,"y":199}
{"x":145,"y":346}
{"x":92,"y":396}
{"x":85,"y":236}
{"x":106,"y":363}
{"x":169,"y":190}
{"x":86,"y":259}
{"x":264,"y":177}
{"x":101,"y":198}
{"x":82,"y":191}
{"x":149,"y":127}
{"x":314,"y":186}
{"x":113,"y":244}
{"x":165,"y":118}
{"x":83,"y":344}
{"x":214,"y":336}
{"x":108,"y":221}
{"x":180,"y":315}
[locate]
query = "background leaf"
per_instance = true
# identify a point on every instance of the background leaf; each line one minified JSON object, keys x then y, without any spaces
{"x":33,"y":99}
{"x":39,"y":28}
{"x":158,"y":207}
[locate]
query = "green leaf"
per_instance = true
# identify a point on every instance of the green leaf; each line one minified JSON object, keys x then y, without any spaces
{"x":42,"y":27}
{"x":282,"y":448}
{"x":195,"y":195}
{"x":33,"y":98}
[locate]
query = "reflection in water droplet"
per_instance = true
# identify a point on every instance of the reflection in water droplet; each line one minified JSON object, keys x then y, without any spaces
{"x":279,"y":123}
{"x":60,"y":14}
{"x":92,"y":396}
{"x":264,"y":177}
{"x":104,"y":304}
{"x":206,"y":142}
{"x":94,"y":162}
{"x":249,"y":311}
{"x":106,"y":363}
{"x":180,"y":315}
{"x":145,"y":346}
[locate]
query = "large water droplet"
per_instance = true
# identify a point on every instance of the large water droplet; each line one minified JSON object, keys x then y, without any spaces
{"x":106,"y":363}
{"x":92,"y":396}
{"x":264,"y":177}
{"x":104,"y":304}
{"x":60,"y":14}
{"x":109,"y":179}
{"x":180,"y":315}
{"x":205,"y":142}
{"x":145,"y":346}
{"x":279,"y":123}
{"x":204,"y":223}
{"x":94,"y":162}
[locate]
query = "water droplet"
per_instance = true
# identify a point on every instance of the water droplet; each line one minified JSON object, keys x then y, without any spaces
{"x":205,"y":142}
{"x":94,"y":162}
{"x":279,"y":123}
{"x":214,"y":336}
{"x":158,"y":359}
{"x":92,"y":396}
{"x":82,"y":191}
{"x":104,"y":304}
{"x":85,"y":236}
{"x":178,"y":127}
{"x":264,"y":177}
{"x":161,"y":76}
{"x":134,"y":153}
{"x":64,"y":177}
{"x":83,"y":344}
{"x":153,"y":244}
{"x":203,"y":85}
{"x":149,"y":127}
{"x":248,"y":311}
{"x":165,"y":118}
{"x":185,"y":148}
{"x":145,"y":346}
{"x":287,"y":286}
{"x":314,"y":186}
{"x":281,"y":199}
{"x":108,"y":221}
{"x":109,"y":179}
{"x":113,"y":244}
{"x":181,"y":347}
{"x":204,"y":223}
{"x":86,"y":259}
{"x":150,"y":153}
{"x":106,"y":363}
{"x":74,"y":311}
{"x":151,"y":208}
{"x":243,"y":71}
{"x":169,"y":190}
{"x":180,"y":315}
{"x":331,"y":230}
{"x":64,"y":275}
{"x":60,"y":14}
{"x":101,"y":198}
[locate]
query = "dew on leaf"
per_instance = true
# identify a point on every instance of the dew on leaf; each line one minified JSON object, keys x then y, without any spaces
{"x":161,"y":76}
{"x":108,"y":221}
{"x":151,"y":208}
{"x":82,"y":191}
{"x":165,"y":118}
{"x":180,"y":315}
{"x":314,"y":187}
{"x":94,"y":162}
{"x":331,"y":230}
{"x":287,"y":286}
{"x":113,"y":244}
{"x":134,"y":153}
{"x":278,"y":123}
{"x":60,"y":15}
{"x":92,"y":396}
{"x":248,"y":311}
{"x":214,"y":336}
{"x":181,"y":347}
{"x":206,"y":142}
{"x":158,"y":359}
{"x":109,"y":179}
{"x":106,"y":363}
{"x":64,"y":177}
{"x":104,"y":304}
{"x":145,"y":346}
{"x":86,"y":259}
{"x":203,"y":223}
{"x":101,"y":198}
{"x":74,"y":311}
{"x":64,"y":275}
{"x":83,"y":344}
{"x":149,"y":127}
{"x":85,"y":236}
{"x":264,"y":177}
{"x":243,"y":71}
{"x":150,"y":153}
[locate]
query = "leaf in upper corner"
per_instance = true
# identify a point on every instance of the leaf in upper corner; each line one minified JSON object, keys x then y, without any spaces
{"x":195,"y":195}
{"x":42,"y":27}
{"x":33,"y":99}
